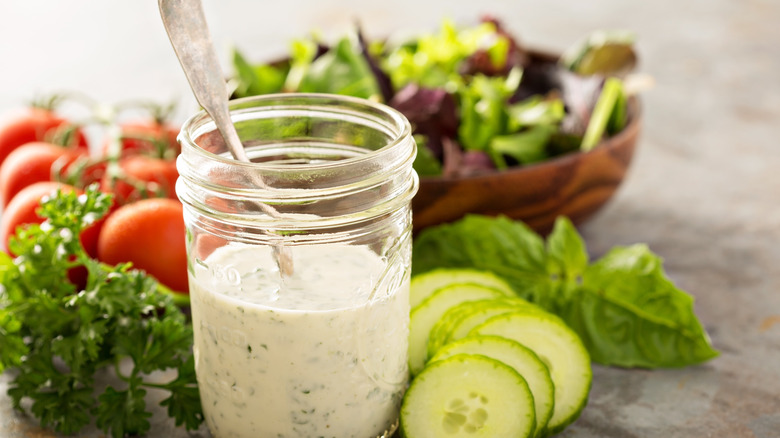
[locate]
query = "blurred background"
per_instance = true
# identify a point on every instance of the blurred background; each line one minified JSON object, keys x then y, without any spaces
{"x":115,"y":50}
{"x":715,"y":66}
{"x":702,"y":191}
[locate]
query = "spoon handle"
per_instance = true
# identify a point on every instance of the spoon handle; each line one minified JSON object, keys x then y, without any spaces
{"x":185,"y":23}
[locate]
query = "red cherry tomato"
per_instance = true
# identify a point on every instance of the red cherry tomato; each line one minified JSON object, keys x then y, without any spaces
{"x":140,"y":176}
{"x":32,"y":124}
{"x":31,"y":163}
{"x":150,"y":233}
{"x":205,"y":244}
{"x":147,"y":138}
{"x":22,"y":211}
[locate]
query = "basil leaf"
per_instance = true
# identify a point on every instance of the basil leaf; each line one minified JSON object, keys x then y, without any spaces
{"x":567,"y":260}
{"x":508,"y":248}
{"x":630,"y":314}
{"x":625,"y":309}
{"x":566,"y":249}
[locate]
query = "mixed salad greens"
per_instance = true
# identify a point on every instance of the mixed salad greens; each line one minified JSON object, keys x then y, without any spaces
{"x":477,"y":99}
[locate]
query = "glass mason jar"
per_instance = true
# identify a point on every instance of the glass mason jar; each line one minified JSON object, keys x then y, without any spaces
{"x":301,"y":310}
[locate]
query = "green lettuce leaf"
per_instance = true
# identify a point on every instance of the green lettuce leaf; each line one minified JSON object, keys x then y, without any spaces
{"x":536,"y":110}
{"x":302,"y":53}
{"x":434,"y":60}
{"x":529,"y":146}
{"x":483,"y":109}
{"x":610,"y":101}
{"x":341,"y":70}
{"x":619,"y":117}
{"x":425,"y":163}
{"x":254,"y":80}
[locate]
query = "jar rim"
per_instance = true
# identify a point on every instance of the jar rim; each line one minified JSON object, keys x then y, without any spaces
{"x":370,"y":177}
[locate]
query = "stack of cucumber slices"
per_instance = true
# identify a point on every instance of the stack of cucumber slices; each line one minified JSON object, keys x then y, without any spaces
{"x":486,"y":363}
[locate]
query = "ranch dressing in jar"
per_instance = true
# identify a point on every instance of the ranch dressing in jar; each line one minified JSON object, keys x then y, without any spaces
{"x":320,"y":351}
{"x":330,"y":363}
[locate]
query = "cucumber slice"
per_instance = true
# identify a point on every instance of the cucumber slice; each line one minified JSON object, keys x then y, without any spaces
{"x":519,"y":357}
{"x":560,"y":349}
{"x":424,"y":316}
{"x":459,"y":324}
{"x":468,"y":396}
{"x":424,"y":285}
{"x":440,"y":331}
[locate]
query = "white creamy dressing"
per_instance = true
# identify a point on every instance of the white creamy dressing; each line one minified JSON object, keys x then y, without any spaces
{"x":321,"y":354}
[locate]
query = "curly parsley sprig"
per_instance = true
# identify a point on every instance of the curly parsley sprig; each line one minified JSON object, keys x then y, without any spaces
{"x":57,"y":337}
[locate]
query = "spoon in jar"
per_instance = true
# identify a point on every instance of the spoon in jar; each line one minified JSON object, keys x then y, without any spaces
{"x":188,"y":32}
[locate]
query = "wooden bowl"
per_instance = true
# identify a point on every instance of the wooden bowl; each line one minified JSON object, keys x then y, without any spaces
{"x":575,"y":185}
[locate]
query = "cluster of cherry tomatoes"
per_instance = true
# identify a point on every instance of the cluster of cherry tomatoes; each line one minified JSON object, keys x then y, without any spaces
{"x":42,"y":151}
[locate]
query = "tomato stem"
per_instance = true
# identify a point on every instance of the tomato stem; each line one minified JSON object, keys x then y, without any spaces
{"x":160,"y":113}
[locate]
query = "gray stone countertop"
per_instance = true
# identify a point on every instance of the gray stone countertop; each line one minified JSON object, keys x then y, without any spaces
{"x":703,"y":192}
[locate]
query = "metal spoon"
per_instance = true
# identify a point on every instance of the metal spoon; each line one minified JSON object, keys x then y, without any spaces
{"x":185,"y":23}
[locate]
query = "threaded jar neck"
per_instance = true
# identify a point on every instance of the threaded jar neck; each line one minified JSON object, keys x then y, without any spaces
{"x":321,"y":161}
